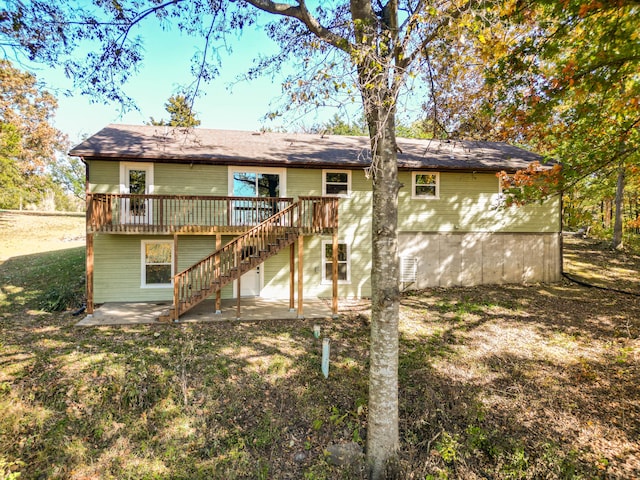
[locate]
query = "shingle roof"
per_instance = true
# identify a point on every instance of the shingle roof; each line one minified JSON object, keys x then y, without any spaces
{"x":227,"y":147}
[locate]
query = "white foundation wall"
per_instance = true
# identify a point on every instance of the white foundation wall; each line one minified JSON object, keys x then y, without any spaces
{"x":467,"y":259}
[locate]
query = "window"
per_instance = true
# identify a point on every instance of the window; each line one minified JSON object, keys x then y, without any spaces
{"x":344,"y":267}
{"x":157,"y":263}
{"x":425,"y":185}
{"x":136,"y":179}
{"x":257,"y":182}
{"x":508,"y":191}
{"x":505,"y":182}
{"x":336,"y":183}
{"x":258,"y":186}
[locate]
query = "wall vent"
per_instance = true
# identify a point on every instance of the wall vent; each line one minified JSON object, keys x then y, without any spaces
{"x":408,"y":269}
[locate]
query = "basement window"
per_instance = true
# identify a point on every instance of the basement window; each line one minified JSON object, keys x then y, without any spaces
{"x":157,"y":263}
{"x":344,"y":262}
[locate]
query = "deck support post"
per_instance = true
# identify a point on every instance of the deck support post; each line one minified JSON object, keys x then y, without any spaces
{"x":237,"y":262}
{"x":175,"y":254}
{"x":176,"y":297}
{"x":334,"y":274}
{"x":219,"y":292}
{"x":300,"y":276}
{"x":292,"y":277}
{"x":89,"y":268}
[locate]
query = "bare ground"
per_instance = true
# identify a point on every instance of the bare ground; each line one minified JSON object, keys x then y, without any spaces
{"x":500,"y":382}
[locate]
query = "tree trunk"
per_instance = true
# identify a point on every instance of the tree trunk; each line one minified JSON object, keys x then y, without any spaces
{"x":617,"y":226}
{"x":382,"y":431}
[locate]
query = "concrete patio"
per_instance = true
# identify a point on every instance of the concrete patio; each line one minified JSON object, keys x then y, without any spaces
{"x":251,"y":309}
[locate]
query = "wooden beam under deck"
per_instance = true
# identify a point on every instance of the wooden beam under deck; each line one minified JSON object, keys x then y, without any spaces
{"x":292,"y":276}
{"x":300,"y":276}
{"x":176,"y":298}
{"x":155,"y":230}
{"x":219,"y":292}
{"x":89,"y":267}
{"x":334,"y":274}
{"x":239,"y":289}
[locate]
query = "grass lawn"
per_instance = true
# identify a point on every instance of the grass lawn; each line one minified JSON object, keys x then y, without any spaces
{"x":509,"y":382}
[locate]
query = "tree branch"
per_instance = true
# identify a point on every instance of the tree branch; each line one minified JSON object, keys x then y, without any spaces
{"x":410,"y":58}
{"x":301,"y":13}
{"x":203,"y":63}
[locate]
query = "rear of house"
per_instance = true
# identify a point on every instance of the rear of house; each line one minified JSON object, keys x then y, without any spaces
{"x":160,"y":200}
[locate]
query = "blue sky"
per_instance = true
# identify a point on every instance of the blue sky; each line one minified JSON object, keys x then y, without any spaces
{"x":224,"y":103}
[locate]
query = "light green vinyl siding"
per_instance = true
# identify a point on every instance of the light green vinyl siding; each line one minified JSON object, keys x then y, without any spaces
{"x":172,"y":179}
{"x":354,"y":216}
{"x":117,"y":270}
{"x":118,"y":266}
{"x":104,"y":177}
{"x":169,"y":178}
{"x":301,"y":182}
{"x":469,"y":202}
{"x":276,"y":276}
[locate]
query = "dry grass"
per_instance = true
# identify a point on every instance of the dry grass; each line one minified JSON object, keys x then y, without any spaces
{"x":27,"y":234}
{"x":505,"y":382}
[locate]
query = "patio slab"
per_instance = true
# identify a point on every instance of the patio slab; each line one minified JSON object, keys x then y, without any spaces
{"x":251,"y":309}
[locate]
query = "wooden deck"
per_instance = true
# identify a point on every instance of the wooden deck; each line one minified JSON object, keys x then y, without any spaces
{"x":262,"y":227}
{"x":169,"y":214}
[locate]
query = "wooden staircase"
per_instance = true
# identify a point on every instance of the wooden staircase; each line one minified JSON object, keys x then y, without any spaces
{"x":309,"y":215}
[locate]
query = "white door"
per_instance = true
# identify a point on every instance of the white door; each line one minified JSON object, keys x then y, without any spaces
{"x":250,"y":283}
{"x":138,"y":180}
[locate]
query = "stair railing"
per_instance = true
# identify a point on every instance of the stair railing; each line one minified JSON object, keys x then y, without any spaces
{"x":309,"y":215}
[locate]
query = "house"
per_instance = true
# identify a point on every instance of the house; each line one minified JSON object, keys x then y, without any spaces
{"x":183,"y":215}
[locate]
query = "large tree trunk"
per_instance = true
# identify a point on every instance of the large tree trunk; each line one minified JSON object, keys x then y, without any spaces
{"x":382,"y":431}
{"x":377,"y":39}
{"x":617,"y":226}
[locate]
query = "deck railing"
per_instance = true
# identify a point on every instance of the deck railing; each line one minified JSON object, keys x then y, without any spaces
{"x":108,"y":212}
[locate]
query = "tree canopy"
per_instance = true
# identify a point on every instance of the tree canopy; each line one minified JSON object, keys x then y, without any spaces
{"x":561,"y":78}
{"x":28,"y":141}
{"x":180,"y":110}
{"x":572,"y":79}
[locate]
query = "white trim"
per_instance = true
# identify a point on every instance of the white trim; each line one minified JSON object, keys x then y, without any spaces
{"x":324,"y":183}
{"x":282,"y":172}
{"x":125,"y":167}
{"x":124,"y":178}
{"x":143,"y":264}
{"x":502,"y":196}
{"x":425,"y":197}
{"x":329,"y":281}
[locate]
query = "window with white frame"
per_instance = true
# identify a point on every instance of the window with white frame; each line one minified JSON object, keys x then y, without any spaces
{"x":336,"y":183}
{"x":344,"y":262}
{"x":425,"y":185}
{"x":507,"y":190}
{"x":505,"y":182}
{"x":157,"y":263}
